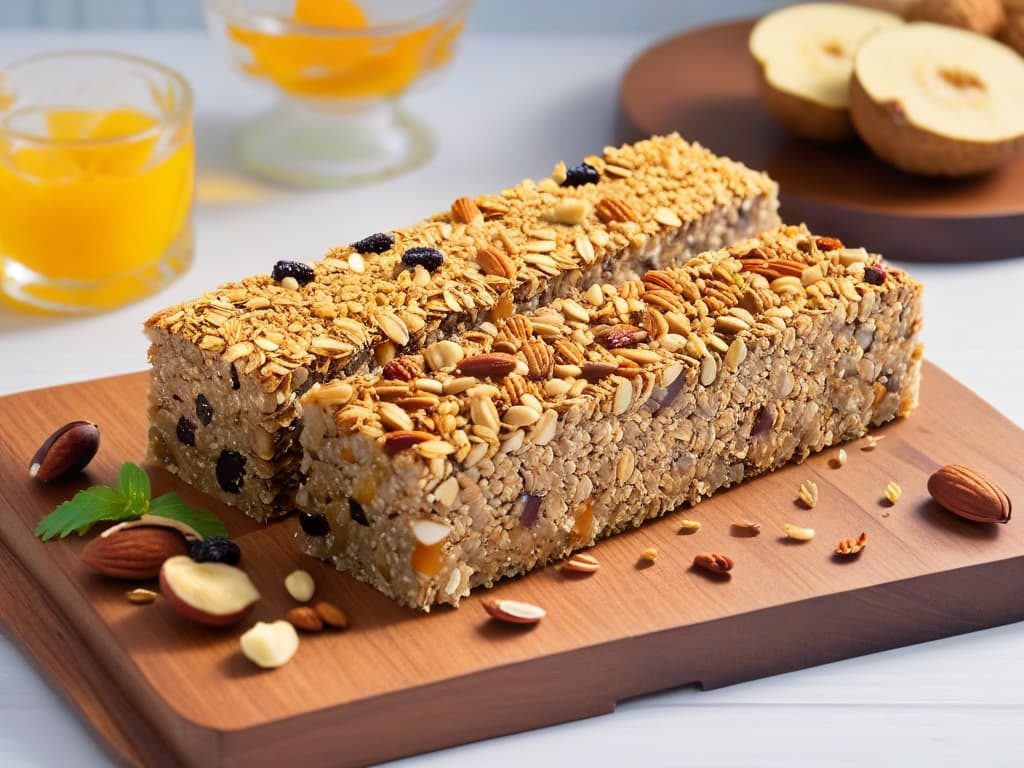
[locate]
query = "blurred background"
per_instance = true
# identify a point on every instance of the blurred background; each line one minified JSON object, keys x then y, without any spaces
{"x":654,"y":17}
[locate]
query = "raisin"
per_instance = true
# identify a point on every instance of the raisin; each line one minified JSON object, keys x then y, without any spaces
{"x":874,"y":275}
{"x":175,"y":398}
{"x":584,"y":173}
{"x":355,"y":510}
{"x":314,"y":524}
{"x":230,"y":471}
{"x":378,"y":242}
{"x":530,"y":510}
{"x":204,"y":411}
{"x":215,"y":549}
{"x":186,"y":431}
{"x":428,"y":258}
{"x":303,"y":273}
{"x":235,"y":383}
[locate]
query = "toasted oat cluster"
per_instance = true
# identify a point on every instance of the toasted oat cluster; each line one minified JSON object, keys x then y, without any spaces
{"x":228,"y":366}
{"x":517,"y":443}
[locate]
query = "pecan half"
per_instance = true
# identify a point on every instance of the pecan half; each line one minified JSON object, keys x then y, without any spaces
{"x":713,"y":561}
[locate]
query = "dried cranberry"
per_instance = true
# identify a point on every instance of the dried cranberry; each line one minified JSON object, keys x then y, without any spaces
{"x":186,"y":431}
{"x":230,"y":471}
{"x":204,"y":411}
{"x":874,"y":274}
{"x":355,"y":510}
{"x":584,"y":173}
{"x":378,"y":242}
{"x":530,"y":510}
{"x":235,"y":383}
{"x":303,"y":273}
{"x":428,"y":258}
{"x":215,"y":549}
{"x":314,"y":524}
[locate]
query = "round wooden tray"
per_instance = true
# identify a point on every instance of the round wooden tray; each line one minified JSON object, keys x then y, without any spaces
{"x":702,"y":84}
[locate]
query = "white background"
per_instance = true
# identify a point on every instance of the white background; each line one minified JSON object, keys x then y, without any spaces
{"x":511,"y":106}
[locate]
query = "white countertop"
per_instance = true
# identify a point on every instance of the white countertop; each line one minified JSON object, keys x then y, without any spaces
{"x":511,"y":107}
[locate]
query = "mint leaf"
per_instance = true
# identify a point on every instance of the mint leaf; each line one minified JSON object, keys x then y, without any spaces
{"x":87,"y":507}
{"x":133,"y":483}
{"x":173,"y":506}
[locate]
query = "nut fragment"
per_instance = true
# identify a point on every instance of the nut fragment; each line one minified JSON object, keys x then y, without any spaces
{"x":649,"y":555}
{"x":270,"y":645}
{"x":745,"y":528}
{"x":871,"y":442}
{"x":581,"y":563}
{"x":892,"y":492}
{"x":494,"y":262}
{"x":300,"y":585}
{"x":713,"y":561}
{"x":969,"y":494}
{"x":797,"y":533}
{"x":611,"y":209}
{"x":466,"y":211}
{"x":840,"y":458}
{"x":514,"y":611}
{"x":66,"y":452}
{"x":140,"y":596}
{"x":689,"y":526}
{"x":305,"y":618}
{"x":852,"y":546}
{"x":331,"y":615}
{"x":809,"y":493}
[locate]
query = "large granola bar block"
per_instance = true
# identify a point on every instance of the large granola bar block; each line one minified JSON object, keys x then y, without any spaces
{"x":228,"y":366}
{"x":536,"y":436}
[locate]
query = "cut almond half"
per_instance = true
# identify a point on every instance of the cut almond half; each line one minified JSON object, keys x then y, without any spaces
{"x":514,"y":612}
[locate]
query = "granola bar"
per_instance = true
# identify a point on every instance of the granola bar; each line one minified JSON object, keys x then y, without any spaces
{"x":535,"y":436}
{"x":228,"y":367}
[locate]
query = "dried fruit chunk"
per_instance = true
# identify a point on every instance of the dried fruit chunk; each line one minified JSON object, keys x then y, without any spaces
{"x":514,"y":611}
{"x":428,"y":258}
{"x":378,"y":242}
{"x":270,"y":645}
{"x":852,"y":546}
{"x":969,"y":494}
{"x":66,"y":452}
{"x":713,"y":561}
{"x":215,"y":549}
{"x":577,"y":176}
{"x":301,"y":273}
{"x":231,"y":471}
{"x":204,"y":410}
{"x":186,"y":431}
{"x":314,"y":524}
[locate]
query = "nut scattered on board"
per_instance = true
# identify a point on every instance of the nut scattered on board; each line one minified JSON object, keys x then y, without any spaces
{"x":798,"y":533}
{"x":892,"y":492}
{"x":305,"y":618}
{"x":581,"y":563}
{"x":140,"y":596}
{"x":66,"y":452}
{"x":969,"y":494}
{"x":158,"y":521}
{"x":713,"y":561}
{"x":270,"y":645}
{"x":852,"y":546}
{"x":300,"y":585}
{"x":514,"y":611}
{"x":214,"y":594}
{"x":686,"y":527}
{"x":871,"y":442}
{"x":331,"y":615}
{"x":809,"y":493}
{"x":745,"y":529}
{"x":133,"y":553}
{"x":840,"y":459}
{"x":649,"y":555}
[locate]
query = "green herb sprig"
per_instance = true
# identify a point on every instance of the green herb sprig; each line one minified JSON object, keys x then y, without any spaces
{"x":130,"y":500}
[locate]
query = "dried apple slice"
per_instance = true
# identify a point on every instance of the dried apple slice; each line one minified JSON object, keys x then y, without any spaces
{"x":937,"y":100}
{"x":805,"y":55}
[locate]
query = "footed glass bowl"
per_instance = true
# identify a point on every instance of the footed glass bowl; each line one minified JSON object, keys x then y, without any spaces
{"x":339,"y":67}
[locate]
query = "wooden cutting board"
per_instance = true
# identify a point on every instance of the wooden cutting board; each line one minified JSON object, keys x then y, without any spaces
{"x":163,"y":692}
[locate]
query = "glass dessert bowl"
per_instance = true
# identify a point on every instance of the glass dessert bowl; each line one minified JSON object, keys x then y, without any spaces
{"x":339,"y":67}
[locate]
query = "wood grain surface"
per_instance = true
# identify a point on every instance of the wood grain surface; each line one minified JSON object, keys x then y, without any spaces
{"x":703,"y":84}
{"x":161,"y":691}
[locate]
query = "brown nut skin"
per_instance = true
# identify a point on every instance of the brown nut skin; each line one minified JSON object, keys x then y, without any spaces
{"x":66,"y":452}
{"x":134,"y":553}
{"x":713,"y":561}
{"x":969,"y":494}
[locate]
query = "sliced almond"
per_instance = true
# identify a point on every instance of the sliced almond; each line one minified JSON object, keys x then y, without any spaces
{"x":514,"y":612}
{"x":581,"y":563}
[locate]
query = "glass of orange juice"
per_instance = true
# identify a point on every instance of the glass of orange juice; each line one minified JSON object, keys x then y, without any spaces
{"x":339,"y":67}
{"x":96,"y":178}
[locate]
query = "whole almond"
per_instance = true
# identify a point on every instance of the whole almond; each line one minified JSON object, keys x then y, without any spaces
{"x":713,"y":561}
{"x":305,"y":618}
{"x":492,"y":365}
{"x":134,"y":553}
{"x":331,"y":615}
{"x":66,"y":452}
{"x":969,"y":494}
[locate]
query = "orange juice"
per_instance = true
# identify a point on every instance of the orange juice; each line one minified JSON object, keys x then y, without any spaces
{"x":88,"y":196}
{"x":354,"y":67}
